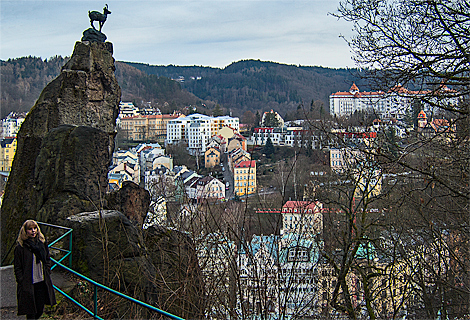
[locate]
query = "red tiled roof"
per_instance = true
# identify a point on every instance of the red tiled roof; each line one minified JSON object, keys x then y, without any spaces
{"x":354,"y":87}
{"x":153,"y":116}
{"x":300,"y":204}
{"x":246,"y":164}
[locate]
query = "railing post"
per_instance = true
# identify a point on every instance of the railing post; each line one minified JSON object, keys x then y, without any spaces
{"x":95,"y":301}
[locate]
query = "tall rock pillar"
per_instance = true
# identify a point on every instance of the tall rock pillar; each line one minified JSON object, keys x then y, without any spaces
{"x":65,"y":144}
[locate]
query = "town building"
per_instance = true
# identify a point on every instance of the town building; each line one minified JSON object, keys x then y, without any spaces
{"x":212,"y":157}
{"x":355,"y":137}
{"x":12,"y":123}
{"x":286,"y":136}
{"x":218,"y":142}
{"x":128,"y":170}
{"x":360,"y":167}
{"x":196,"y":130}
{"x":392,"y":104}
{"x":7,"y":153}
{"x":244,"y":178}
{"x":302,"y":217}
{"x":162,"y":160}
{"x":273,"y":114}
{"x":209,"y":188}
{"x":429,"y":128}
{"x":128,"y":109}
{"x":236,"y":156}
{"x":347,"y":103}
{"x":146,"y":127}
{"x":344,"y":159}
{"x":147,"y":153}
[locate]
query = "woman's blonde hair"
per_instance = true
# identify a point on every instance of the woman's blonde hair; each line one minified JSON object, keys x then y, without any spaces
{"x":22,"y":236}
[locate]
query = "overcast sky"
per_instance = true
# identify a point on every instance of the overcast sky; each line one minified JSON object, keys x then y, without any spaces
{"x":163,"y":32}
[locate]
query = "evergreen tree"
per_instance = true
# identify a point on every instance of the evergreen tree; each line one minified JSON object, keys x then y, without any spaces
{"x":411,"y":115}
{"x":269,"y":148}
{"x":257,"y":118}
{"x":270,"y":120}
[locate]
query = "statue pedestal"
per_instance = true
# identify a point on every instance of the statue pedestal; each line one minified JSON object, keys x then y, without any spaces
{"x":93,"y":35}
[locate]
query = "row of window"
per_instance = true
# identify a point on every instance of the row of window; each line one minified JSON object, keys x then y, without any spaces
{"x":299,"y":218}
{"x":236,"y":184}
{"x":251,"y":177}
{"x":244,"y":171}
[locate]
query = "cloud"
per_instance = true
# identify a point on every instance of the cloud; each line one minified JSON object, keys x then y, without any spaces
{"x":213,"y":33}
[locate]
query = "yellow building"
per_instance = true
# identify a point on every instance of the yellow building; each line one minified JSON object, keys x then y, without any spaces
{"x":7,"y":153}
{"x":146,"y":127}
{"x":244,"y":178}
{"x":212,"y":157}
{"x":368,"y":183}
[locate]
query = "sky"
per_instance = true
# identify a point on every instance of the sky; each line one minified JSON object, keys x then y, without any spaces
{"x":183,"y":33}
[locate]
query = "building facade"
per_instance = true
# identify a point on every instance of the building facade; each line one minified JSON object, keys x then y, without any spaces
{"x":244,"y":178}
{"x":197,"y":129}
{"x":7,"y":153}
{"x":146,"y":127}
{"x":11,"y":124}
{"x":212,"y":157}
{"x":302,"y":217}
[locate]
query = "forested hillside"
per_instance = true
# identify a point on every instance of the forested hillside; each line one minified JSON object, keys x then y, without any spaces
{"x":260,"y":85}
{"x":245,"y":85}
{"x":23,"y":79}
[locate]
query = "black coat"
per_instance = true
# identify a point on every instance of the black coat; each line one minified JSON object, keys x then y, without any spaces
{"x":24,"y":279}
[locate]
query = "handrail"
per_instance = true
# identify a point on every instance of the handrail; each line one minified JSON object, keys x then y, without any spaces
{"x":99,"y":285}
{"x":95,"y":284}
{"x":50,"y":245}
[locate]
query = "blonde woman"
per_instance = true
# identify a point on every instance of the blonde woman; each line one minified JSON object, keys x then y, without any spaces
{"x":33,"y":271}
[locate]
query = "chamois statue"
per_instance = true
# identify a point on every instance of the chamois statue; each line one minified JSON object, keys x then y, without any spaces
{"x":98,"y":16}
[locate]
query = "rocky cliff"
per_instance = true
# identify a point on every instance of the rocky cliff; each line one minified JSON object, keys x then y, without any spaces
{"x":65,"y":143}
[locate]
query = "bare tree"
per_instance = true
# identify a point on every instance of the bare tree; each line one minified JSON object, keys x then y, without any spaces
{"x":422,"y":222}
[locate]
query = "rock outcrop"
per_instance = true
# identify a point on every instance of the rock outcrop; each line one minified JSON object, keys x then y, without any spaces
{"x":110,"y":248}
{"x":131,"y":200}
{"x":42,"y":183}
{"x":158,"y":266}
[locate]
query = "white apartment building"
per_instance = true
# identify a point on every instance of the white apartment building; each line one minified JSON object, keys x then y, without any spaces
{"x":347,"y":103}
{"x":11,"y":124}
{"x":345,"y":158}
{"x":276,"y":115}
{"x":285,"y":136}
{"x":197,"y":129}
{"x":127,"y":109}
{"x":392,"y":104}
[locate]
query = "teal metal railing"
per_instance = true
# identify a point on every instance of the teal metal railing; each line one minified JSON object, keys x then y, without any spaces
{"x":68,"y":252}
{"x":96,"y":285}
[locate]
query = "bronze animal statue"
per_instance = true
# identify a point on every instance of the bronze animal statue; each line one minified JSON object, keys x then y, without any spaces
{"x":98,"y":16}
